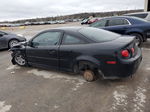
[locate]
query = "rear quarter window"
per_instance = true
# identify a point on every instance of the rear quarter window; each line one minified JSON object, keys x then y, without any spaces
{"x":114,"y":22}
{"x":69,"y":39}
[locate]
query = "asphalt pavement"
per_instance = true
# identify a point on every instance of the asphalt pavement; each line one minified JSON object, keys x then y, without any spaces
{"x":28,"y":89}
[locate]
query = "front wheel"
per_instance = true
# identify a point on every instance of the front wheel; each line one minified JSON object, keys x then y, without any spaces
{"x":12,"y":43}
{"x":20,"y":59}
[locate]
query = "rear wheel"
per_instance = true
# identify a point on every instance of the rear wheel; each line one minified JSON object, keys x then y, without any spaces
{"x":89,"y":75}
{"x":139,"y":38}
{"x":20,"y":59}
{"x":12,"y":43}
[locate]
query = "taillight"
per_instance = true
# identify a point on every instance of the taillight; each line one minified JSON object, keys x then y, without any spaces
{"x":125,"y":53}
{"x":132,"y":49}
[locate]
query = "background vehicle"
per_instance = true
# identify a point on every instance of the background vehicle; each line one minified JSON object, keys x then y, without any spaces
{"x":126,"y":25}
{"x":8,"y":40}
{"x":84,"y":21}
{"x":87,"y":50}
{"x":89,"y":21}
{"x":92,"y":20}
{"x":143,"y":15}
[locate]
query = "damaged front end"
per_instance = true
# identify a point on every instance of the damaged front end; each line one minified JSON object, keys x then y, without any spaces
{"x":18,"y":48}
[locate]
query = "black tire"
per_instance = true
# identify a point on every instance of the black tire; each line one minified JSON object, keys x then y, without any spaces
{"x":89,"y":75}
{"x":12,"y":42}
{"x":139,"y":38}
{"x":20,"y":59}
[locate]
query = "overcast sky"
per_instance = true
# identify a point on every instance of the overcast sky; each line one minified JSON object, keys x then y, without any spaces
{"x":19,"y":9}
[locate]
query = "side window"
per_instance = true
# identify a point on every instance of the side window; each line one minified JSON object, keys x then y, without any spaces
{"x":114,"y":22}
{"x":69,"y":39}
{"x":125,"y":22}
{"x":46,"y":39}
{"x":100,"y":23}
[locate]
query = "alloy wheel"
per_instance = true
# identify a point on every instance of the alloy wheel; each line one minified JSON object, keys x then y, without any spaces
{"x":19,"y":59}
{"x":13,"y":43}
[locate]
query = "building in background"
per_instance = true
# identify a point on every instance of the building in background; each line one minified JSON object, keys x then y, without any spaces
{"x":147,"y":5}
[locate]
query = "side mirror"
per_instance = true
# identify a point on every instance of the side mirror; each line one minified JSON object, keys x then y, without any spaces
{"x":31,"y":44}
{"x":35,"y":44}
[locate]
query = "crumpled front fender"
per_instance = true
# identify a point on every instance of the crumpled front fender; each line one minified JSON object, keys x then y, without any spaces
{"x":13,"y":61}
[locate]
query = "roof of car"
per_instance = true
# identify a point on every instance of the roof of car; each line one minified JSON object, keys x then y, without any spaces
{"x":128,"y":17}
{"x":125,"y":17}
{"x":74,"y":29}
{"x":70,"y":29}
{"x":131,"y":19}
{"x":137,"y":13}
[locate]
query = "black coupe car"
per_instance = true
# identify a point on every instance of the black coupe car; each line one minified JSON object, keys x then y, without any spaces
{"x":8,"y":40}
{"x":90,"y":51}
{"x":126,"y":25}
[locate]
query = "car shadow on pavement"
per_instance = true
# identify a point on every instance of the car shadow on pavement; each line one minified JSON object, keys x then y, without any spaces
{"x":53,"y":74}
{"x":1,"y":50}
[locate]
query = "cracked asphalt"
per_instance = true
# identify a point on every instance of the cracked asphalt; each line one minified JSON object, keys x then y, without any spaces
{"x":28,"y":89}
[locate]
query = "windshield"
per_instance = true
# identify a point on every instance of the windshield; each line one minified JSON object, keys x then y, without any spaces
{"x":98,"y":35}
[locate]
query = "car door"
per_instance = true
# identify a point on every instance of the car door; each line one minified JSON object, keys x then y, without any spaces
{"x":119,"y":25}
{"x":69,"y":50}
{"x":43,"y":49}
{"x":3,"y":41}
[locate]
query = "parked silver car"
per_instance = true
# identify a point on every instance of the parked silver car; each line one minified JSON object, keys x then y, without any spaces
{"x":8,"y":40}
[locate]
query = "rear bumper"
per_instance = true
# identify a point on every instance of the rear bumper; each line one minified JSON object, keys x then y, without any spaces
{"x":123,"y":68}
